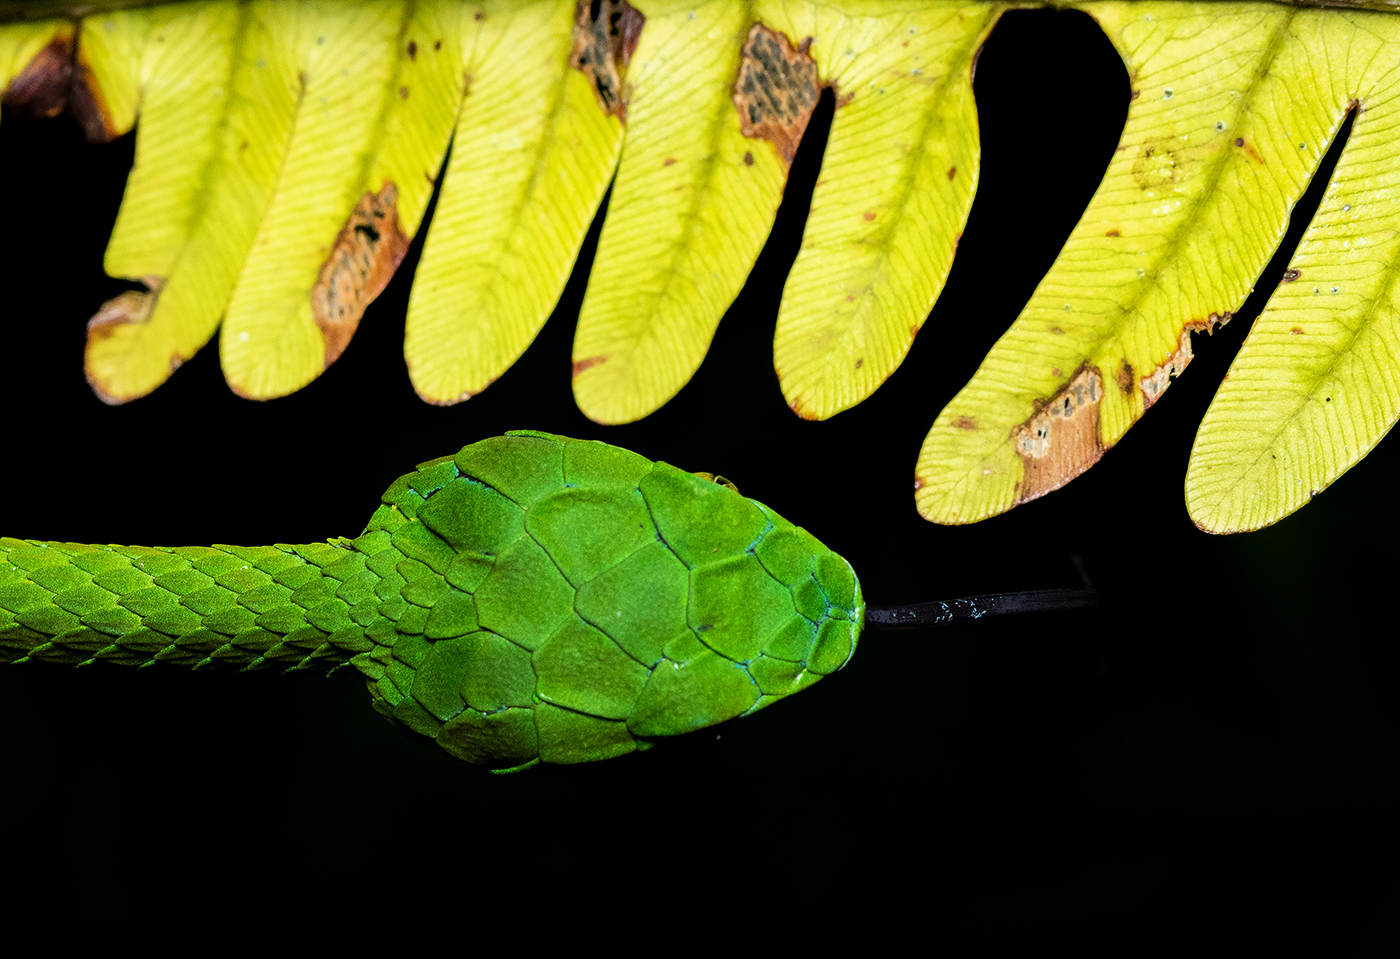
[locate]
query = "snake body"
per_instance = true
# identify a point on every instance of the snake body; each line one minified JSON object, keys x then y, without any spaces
{"x":531,"y":599}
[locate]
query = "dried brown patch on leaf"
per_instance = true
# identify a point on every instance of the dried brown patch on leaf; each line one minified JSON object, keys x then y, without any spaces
{"x":88,"y":106}
{"x":1156,"y":382}
{"x":366,"y":254}
{"x":1061,"y":440}
{"x":131,"y":307}
{"x":41,"y":88}
{"x":58,"y":78}
{"x":605,"y":34}
{"x":777,"y":90}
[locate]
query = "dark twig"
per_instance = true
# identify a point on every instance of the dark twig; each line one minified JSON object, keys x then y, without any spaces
{"x":922,"y":615}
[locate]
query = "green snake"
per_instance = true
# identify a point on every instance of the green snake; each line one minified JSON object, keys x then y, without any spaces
{"x":531,"y":599}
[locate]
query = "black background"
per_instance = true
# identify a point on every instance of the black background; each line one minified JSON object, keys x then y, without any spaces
{"x":1212,"y":757}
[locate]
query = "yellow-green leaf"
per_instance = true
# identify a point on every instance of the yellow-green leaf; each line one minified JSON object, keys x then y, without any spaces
{"x":896,"y":186}
{"x":331,"y":238}
{"x":169,"y":64}
{"x":1232,"y":108}
{"x":220,"y":179}
{"x":533,"y":154}
{"x":1317,"y":384}
{"x":693,"y":202}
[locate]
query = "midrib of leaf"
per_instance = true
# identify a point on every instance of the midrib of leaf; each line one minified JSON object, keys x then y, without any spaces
{"x":687,"y":236}
{"x":686,"y":239}
{"x":814,"y":371}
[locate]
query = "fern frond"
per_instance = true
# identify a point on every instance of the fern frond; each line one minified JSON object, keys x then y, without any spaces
{"x":287,"y":151}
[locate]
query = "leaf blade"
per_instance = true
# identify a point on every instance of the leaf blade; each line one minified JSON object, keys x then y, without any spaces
{"x":133,"y":348}
{"x":1192,"y":206}
{"x":533,"y":157}
{"x":1315,"y":386}
{"x":896,"y":186}
{"x":692,"y":204}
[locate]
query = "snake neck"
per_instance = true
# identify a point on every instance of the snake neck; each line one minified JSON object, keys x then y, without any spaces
{"x":286,"y":607}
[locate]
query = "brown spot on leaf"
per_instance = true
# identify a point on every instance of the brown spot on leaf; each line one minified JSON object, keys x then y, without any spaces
{"x":869,"y":216}
{"x":1290,"y":274}
{"x":57,"y":78}
{"x":669,"y":161}
{"x":1248,"y":148}
{"x":1125,"y":377}
{"x":366,"y":254}
{"x":918,"y":483}
{"x":412,"y":50}
{"x":581,"y":365}
{"x":860,"y":361}
{"x":748,"y":158}
{"x":403,"y":93}
{"x":1296,"y":331}
{"x":1055,"y":371}
{"x":437,"y":44}
{"x":966,"y":423}
{"x":131,"y":307}
{"x":1061,"y":439}
{"x":776,"y":91}
{"x":1112,"y":233}
{"x":605,"y":34}
{"x":952,"y":172}
{"x":1057,"y":331}
{"x":1136,"y":94}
